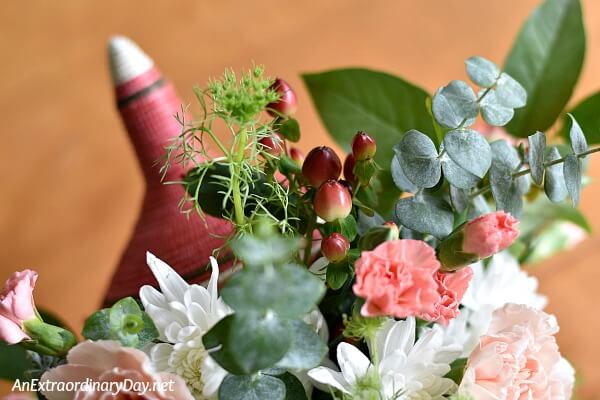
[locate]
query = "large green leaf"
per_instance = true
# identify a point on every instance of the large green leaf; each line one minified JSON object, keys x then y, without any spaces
{"x":546,"y":59}
{"x":586,"y":113}
{"x":355,"y":99}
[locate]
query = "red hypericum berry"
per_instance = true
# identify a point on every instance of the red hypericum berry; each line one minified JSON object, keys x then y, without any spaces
{"x":287,"y":103}
{"x":332,"y":201}
{"x":271,"y":145}
{"x":363,"y":146}
{"x":297,"y":155}
{"x":335,"y":247}
{"x":320,"y":165}
{"x":349,"y":169}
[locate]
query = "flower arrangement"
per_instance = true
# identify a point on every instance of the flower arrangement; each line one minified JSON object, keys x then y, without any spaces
{"x":401,"y":280}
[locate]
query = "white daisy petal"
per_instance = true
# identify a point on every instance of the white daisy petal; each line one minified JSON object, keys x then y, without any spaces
{"x":171,"y":284}
{"x":353,"y":363}
{"x":328,"y":377}
{"x":149,"y":295}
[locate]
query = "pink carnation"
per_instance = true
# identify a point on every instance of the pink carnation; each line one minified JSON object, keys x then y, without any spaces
{"x":107,"y":361}
{"x":397,"y":278}
{"x":518,"y":359}
{"x":451,"y":288}
{"x":490,"y":233}
{"x":17,"y":306}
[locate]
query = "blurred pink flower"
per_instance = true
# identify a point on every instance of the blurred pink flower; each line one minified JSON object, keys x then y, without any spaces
{"x":108,"y":361}
{"x":518,"y":358}
{"x":16,"y":305}
{"x":451,"y":287}
{"x":397,"y":278}
{"x":490,"y":233}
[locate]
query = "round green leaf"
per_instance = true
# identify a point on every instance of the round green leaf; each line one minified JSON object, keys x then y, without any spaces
{"x":246,"y":343}
{"x":554,"y":185}
{"x":588,"y":117}
{"x":455,"y":105}
{"x":245,"y":387}
{"x":573,"y":175}
{"x":509,"y":92}
{"x":418,"y":159}
{"x":469,"y":150}
{"x":400,"y":179}
{"x":493,"y":112}
{"x":425,"y":215}
{"x":268,"y":288}
{"x":505,"y":191}
{"x":458,"y":176}
{"x":578,"y":142}
{"x":307,"y":349}
{"x":537,"y":148}
{"x":482,"y":71}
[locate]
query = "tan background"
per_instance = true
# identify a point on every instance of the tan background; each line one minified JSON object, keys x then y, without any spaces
{"x":68,"y":179}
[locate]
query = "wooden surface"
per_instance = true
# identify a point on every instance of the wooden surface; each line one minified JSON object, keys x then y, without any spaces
{"x":69,"y":184}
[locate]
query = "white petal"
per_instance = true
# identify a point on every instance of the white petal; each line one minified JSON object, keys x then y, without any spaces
{"x":171,"y":284}
{"x":150,"y":295}
{"x":160,"y":353}
{"x":328,"y":377}
{"x":198,"y":316}
{"x":353,"y":363}
{"x":212,"y":284}
{"x":198,"y":294}
{"x":396,"y":335}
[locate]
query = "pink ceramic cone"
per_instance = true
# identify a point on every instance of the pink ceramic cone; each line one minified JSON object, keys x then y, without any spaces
{"x":148,"y":104}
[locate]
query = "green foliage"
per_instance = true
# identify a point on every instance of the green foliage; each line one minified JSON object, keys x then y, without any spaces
{"x":482,"y":72}
{"x":426,"y":215}
{"x":386,"y":106}
{"x":586,"y":113}
{"x":554,"y":183}
{"x":546,"y":59}
{"x":257,"y":387}
{"x":125,"y":321}
{"x":455,"y":105}
{"x":306,"y":350}
{"x":537,"y":148}
{"x":418,"y":159}
{"x":14,"y":362}
{"x":469,"y":150}
{"x":289,"y":128}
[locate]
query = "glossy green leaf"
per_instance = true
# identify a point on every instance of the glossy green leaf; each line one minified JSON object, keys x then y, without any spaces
{"x":537,"y":149}
{"x":578,"y":142}
{"x":268,"y":288}
{"x":482,"y":71}
{"x":455,"y":105}
{"x":290,"y":129}
{"x":294,"y":390}
{"x":425,"y":215}
{"x":14,"y":361}
{"x":307,"y":349}
{"x":418,"y":158}
{"x":546,"y":59}
{"x":336,"y":276}
{"x":573,"y":175}
{"x":586,"y":113}
{"x":244,"y":343}
{"x":554,"y":184}
{"x":246,"y":387}
{"x":355,"y":99}
{"x":469,"y":150}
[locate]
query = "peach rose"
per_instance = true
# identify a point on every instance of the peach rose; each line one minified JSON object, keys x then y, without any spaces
{"x":108,"y":361}
{"x":451,"y":287}
{"x":17,"y":306}
{"x":518,"y":358}
{"x":490,"y":233}
{"x":397,"y":278}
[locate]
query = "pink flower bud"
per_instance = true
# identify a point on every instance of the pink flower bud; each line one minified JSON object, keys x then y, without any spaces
{"x":335,"y":247}
{"x":489,"y":234}
{"x":297,"y":155}
{"x":286,"y":105}
{"x":332,"y":201}
{"x":16,"y":306}
{"x":272,"y":145}
{"x":349,"y":169}
{"x":363,"y":146}
{"x":320,"y":165}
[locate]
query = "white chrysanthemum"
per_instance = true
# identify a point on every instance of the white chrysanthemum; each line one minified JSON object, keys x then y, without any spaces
{"x":405,"y":370}
{"x":493,"y":286}
{"x":183,"y":313}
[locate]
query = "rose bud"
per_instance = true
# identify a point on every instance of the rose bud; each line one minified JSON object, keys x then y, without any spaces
{"x":477,"y":239}
{"x":271,"y":145}
{"x":349,"y":169}
{"x":320,"y":165}
{"x":332,"y":201}
{"x":363,"y":146}
{"x":335,"y":247}
{"x":286,"y":105}
{"x":297,"y":155}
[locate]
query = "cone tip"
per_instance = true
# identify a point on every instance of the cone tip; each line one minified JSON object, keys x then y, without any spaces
{"x":127,"y":60}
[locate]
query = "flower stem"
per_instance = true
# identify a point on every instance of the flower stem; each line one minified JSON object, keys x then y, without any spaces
{"x":527,"y":171}
{"x":235,"y":179}
{"x":309,"y":239}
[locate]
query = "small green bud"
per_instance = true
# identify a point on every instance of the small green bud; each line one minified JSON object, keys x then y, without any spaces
{"x":48,"y":339}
